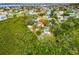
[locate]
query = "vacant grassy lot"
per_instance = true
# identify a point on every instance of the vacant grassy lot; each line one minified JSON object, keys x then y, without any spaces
{"x":16,"y":38}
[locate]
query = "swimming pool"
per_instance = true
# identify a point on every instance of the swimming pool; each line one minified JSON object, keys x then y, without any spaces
{"x":3,"y":17}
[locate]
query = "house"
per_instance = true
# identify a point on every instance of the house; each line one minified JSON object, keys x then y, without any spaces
{"x":58,"y":12}
{"x":66,"y":17}
{"x":20,"y":14}
{"x":40,"y":24}
{"x":48,"y":12}
{"x":72,"y":14}
{"x":77,"y":15}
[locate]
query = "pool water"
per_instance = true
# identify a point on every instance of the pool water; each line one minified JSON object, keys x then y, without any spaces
{"x":2,"y":17}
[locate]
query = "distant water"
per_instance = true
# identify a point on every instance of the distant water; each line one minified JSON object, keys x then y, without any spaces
{"x":30,"y":4}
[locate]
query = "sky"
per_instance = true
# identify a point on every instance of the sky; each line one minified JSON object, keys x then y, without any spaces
{"x":39,"y":1}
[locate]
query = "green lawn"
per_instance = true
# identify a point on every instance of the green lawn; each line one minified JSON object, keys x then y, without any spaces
{"x":16,"y":38}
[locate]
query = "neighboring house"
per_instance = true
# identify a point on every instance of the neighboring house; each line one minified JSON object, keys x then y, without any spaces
{"x":77,"y":16}
{"x":72,"y":14}
{"x":48,"y":12}
{"x":3,"y":14}
{"x":60,"y":19}
{"x":59,"y":12}
{"x":66,"y":17}
{"x":31,"y":12}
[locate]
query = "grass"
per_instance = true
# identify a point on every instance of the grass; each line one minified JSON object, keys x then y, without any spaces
{"x":16,"y":38}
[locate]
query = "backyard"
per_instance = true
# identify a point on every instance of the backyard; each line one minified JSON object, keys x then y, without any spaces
{"x":60,"y":38}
